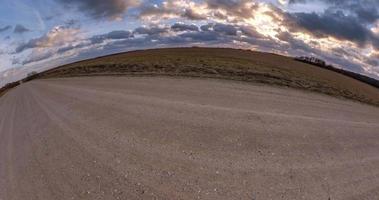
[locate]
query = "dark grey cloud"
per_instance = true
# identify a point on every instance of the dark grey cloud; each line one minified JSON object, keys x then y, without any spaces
{"x":70,"y":47}
{"x":226,"y":29}
{"x":177,"y":34}
{"x":250,"y":31}
{"x":294,"y":44}
{"x":39,"y":57}
{"x":367,"y":11}
{"x":209,"y":34}
{"x":154,"y":30}
{"x":339,"y":24}
{"x":114,"y":35}
{"x":72,"y":23}
{"x":184,"y":27}
{"x":335,"y":24}
{"x":187,"y":38}
{"x":5,"y":28}
{"x":19,"y":29}
{"x":32,"y":43}
{"x":198,"y":37}
{"x":338,"y":2}
{"x":119,"y":35}
{"x":372,"y":61}
{"x":101,"y":9}
{"x":347,"y":20}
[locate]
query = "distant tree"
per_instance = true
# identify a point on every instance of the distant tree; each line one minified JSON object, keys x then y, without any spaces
{"x":33,"y":73}
{"x":30,"y":76}
{"x":312,"y":60}
{"x":320,"y":63}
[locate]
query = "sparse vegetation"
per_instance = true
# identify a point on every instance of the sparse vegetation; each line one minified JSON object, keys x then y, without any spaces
{"x":232,"y":64}
{"x":8,"y":86}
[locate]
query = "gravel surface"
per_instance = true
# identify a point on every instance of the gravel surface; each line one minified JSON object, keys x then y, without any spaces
{"x":179,"y":138}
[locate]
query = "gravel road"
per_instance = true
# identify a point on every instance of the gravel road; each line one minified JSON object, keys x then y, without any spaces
{"x":179,"y":138}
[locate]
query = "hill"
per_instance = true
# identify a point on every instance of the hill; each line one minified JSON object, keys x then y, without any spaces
{"x":233,"y":64}
{"x":322,"y":64}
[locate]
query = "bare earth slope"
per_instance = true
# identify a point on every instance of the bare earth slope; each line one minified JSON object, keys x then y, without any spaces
{"x":225,"y":64}
{"x":167,"y":138}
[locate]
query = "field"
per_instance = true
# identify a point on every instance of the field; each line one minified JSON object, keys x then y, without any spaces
{"x":241,"y":65}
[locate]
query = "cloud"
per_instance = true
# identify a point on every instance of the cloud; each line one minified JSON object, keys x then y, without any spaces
{"x":72,"y":23}
{"x":154,"y":12}
{"x":198,"y":10}
{"x":49,"y":46}
{"x":5,"y":28}
{"x":250,"y":32}
{"x":335,"y":24}
{"x":102,"y":9}
{"x":71,"y":47}
{"x":235,"y":8}
{"x":19,"y":29}
{"x":367,"y":11}
{"x":152,"y":30}
{"x":38,"y":57}
{"x":191,"y":14}
{"x":58,"y":36}
{"x":171,"y":9}
{"x":226,"y":29}
{"x":114,"y":35}
{"x":193,"y":37}
{"x":178,"y":33}
{"x":184,"y":27}
{"x":342,"y":32}
{"x":141,"y":37}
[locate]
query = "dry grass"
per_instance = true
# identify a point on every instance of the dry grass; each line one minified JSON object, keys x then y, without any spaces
{"x":231,"y":64}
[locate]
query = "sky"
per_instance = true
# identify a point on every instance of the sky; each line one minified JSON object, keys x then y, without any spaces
{"x":41,"y":34}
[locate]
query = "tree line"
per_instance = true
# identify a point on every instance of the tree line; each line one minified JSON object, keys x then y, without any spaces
{"x":321,"y":63}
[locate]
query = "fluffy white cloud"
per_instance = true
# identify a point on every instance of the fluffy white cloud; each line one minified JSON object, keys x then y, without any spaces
{"x":102,"y":9}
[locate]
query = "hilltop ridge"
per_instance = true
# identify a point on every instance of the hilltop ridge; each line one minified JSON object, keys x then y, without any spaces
{"x":223,"y":63}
